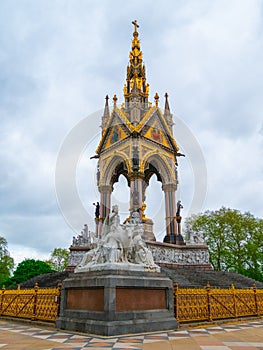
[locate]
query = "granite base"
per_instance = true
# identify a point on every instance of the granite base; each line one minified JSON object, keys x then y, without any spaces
{"x":112,"y":303}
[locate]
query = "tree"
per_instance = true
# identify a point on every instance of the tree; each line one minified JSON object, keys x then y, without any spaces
{"x":234,"y":240}
{"x":29,"y":268}
{"x":255,"y":251}
{"x":59,"y":259}
{"x":6,"y":262}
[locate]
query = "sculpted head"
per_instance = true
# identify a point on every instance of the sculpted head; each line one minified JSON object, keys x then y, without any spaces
{"x":115,"y":208}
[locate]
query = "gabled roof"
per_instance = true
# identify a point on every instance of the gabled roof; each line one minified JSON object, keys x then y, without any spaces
{"x":152,"y":126}
{"x":117,"y":128}
{"x":141,"y":119}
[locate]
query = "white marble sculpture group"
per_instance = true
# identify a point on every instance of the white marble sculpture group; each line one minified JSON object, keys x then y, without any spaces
{"x":120,"y":244}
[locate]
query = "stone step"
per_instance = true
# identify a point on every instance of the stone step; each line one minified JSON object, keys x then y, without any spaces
{"x":46,"y":280}
{"x":184,"y":278}
{"x":219,"y":279}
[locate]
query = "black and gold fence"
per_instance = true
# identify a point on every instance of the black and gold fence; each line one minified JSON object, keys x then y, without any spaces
{"x":190,"y":304}
{"x":207,"y":304}
{"x":35,"y":304}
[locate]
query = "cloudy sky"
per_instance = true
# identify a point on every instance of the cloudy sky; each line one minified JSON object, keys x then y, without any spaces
{"x":58,"y":60}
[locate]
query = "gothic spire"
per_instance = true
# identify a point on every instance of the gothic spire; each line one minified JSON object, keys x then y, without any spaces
{"x":106,"y":113}
{"x":106,"y":108}
{"x":166,"y":106}
{"x":136,"y":77}
{"x":167,"y":114}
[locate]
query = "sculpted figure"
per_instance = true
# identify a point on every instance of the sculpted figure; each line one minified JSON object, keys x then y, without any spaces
{"x":116,"y":237}
{"x":193,"y":237}
{"x":111,"y":222}
{"x":89,"y":256}
{"x":97,"y":210}
{"x":74,"y":241}
{"x":119,"y":243}
{"x":140,"y":253}
{"x":179,"y":207}
{"x":135,"y":218}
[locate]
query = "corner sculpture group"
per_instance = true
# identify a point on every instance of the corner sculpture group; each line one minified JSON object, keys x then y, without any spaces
{"x":119,"y":243}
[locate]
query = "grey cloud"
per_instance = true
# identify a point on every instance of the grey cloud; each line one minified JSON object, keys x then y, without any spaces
{"x":59,"y":60}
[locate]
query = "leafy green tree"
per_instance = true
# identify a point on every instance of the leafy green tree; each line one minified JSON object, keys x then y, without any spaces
{"x":29,"y":268}
{"x":6,"y":262}
{"x":234,"y":240}
{"x":255,"y":251}
{"x":59,"y":259}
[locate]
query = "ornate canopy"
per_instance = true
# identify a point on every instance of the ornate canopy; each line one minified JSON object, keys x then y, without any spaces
{"x":137,"y":141}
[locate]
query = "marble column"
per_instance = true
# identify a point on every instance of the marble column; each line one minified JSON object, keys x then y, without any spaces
{"x":170,"y":209}
{"x":136,"y":193}
{"x":105,"y":204}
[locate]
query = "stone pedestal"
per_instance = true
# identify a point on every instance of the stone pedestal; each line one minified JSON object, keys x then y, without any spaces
{"x":148,"y":234}
{"x":117,"y":302}
{"x":174,"y":239}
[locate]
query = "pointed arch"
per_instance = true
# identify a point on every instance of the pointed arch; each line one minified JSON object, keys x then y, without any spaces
{"x":154,"y":163}
{"x":117,"y":165}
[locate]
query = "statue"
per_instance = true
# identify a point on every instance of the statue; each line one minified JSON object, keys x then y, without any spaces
{"x":112,"y":221}
{"x":144,"y":218}
{"x":113,"y":237}
{"x":84,"y":238}
{"x":135,"y":158}
{"x":86,"y":233}
{"x":98,"y":176}
{"x":179,"y":207}
{"x":97,"y":210}
{"x":135,"y":218}
{"x":193,"y":237}
{"x":119,"y":244}
{"x":142,"y":255}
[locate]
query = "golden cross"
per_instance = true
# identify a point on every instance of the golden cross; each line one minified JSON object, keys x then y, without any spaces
{"x":135,"y":25}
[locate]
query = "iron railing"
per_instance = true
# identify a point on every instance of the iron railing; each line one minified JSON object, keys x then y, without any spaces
{"x":35,"y":304}
{"x":207,"y":304}
{"x":190,"y":304}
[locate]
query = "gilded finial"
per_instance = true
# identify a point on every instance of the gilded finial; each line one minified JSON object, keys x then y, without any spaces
{"x":115,"y":100}
{"x":136,"y":76}
{"x":136,"y":25}
{"x":156,"y":97}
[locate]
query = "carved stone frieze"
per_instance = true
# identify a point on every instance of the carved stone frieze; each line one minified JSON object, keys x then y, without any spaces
{"x":167,"y":255}
{"x":75,"y":257}
{"x":161,"y":255}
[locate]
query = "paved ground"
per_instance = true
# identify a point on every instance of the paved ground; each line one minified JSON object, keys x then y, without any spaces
{"x":235,"y":336}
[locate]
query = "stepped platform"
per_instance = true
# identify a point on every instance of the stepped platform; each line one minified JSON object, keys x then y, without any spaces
{"x":47,"y":280}
{"x":199,"y":278}
{"x":185,"y":278}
